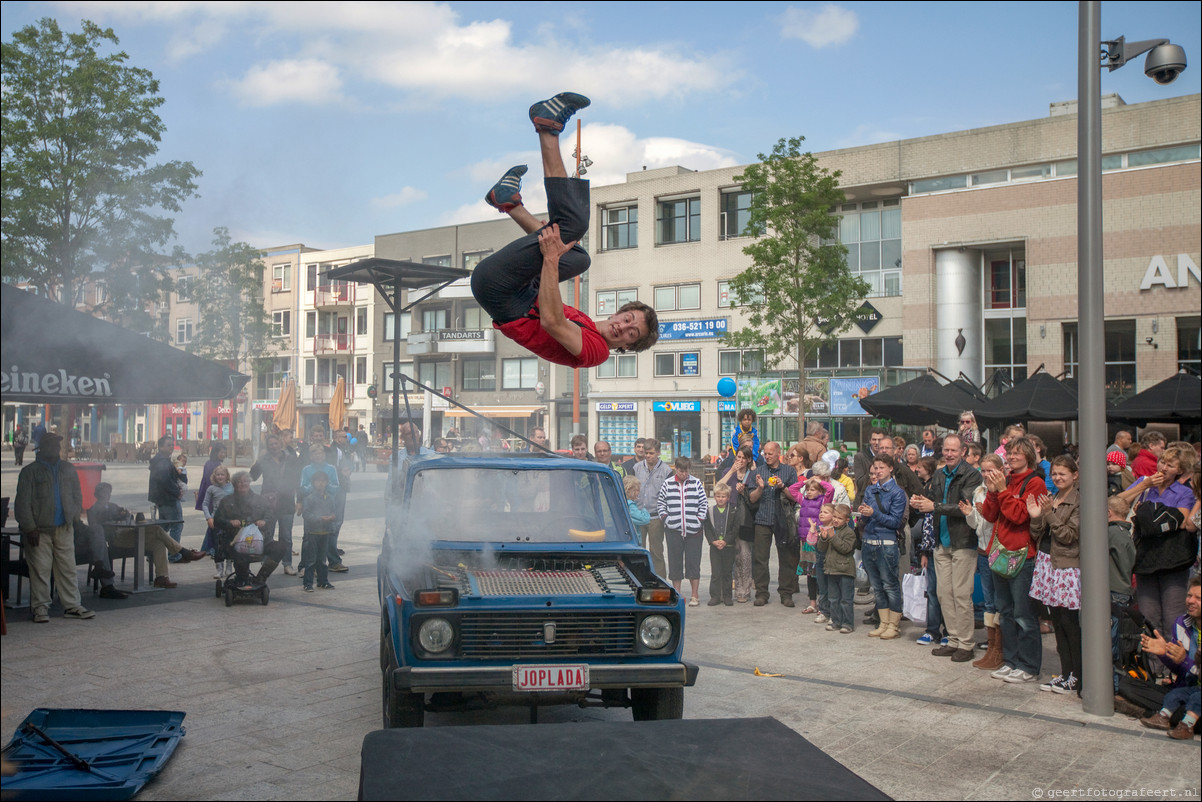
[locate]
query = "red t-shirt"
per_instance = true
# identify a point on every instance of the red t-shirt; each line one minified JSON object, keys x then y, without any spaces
{"x":529,"y":332}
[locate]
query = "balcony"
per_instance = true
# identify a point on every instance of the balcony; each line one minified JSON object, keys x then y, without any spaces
{"x":335,"y":293}
{"x":461,"y":288}
{"x":453,"y":341}
{"x":325,"y":344}
{"x":324,"y":393}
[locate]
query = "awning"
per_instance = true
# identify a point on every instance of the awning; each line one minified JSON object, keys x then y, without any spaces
{"x":495,"y":412}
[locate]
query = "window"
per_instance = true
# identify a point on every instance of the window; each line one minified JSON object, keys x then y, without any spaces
{"x":939,"y":184}
{"x":310,"y":325}
{"x":480,"y":374}
{"x":360,"y":370}
{"x":678,"y":221}
{"x":102,"y":292}
{"x":473,"y":258}
{"x":1007,"y":271}
{"x":610,"y":301}
{"x":726,"y":298}
{"x":310,"y":278}
{"x":389,"y":368}
{"x":270,"y":379}
{"x":434,"y":319}
{"x":361,"y":320}
{"x":434,"y":374}
{"x":1189,"y":343}
{"x":736,"y":213}
{"x":475,"y":318}
{"x":390,"y":329}
{"x":183,"y":331}
{"x":679,"y":296}
{"x":687,"y":363}
{"x":184,"y":288}
{"x":519,"y":374}
{"x":732,"y":362}
{"x":281,"y":278}
{"x":620,"y":227}
{"x":281,"y":323}
{"x":440,"y":261}
{"x":871,"y":232}
{"x":310,"y":372}
{"x":619,"y":366}
{"x":1119,"y":338}
{"x":868,"y":352}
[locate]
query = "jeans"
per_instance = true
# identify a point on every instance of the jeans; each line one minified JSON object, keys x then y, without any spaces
{"x":313,"y":555}
{"x":1022,"y":646}
{"x":172,"y":512}
{"x":824,"y":602}
{"x":281,"y":530}
{"x":880,"y":562}
{"x":986,"y":582}
{"x":934,"y":611}
{"x":1191,"y":697}
{"x":842,"y":591}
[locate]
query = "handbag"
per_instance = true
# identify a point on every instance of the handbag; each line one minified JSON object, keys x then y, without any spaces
{"x":914,"y":597}
{"x":1005,"y":562}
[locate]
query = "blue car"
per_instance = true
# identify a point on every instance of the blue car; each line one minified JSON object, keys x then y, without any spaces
{"x":520,"y":580}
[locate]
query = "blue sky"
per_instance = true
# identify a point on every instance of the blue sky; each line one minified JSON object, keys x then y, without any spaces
{"x":330,"y":123}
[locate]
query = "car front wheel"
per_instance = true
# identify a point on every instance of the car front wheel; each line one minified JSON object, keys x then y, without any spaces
{"x":655,"y":704}
{"x":401,"y":708}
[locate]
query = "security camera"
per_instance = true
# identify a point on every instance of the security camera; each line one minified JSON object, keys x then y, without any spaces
{"x":1164,"y":63}
{"x":1148,"y":340}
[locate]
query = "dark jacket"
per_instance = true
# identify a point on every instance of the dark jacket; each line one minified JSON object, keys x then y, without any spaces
{"x":840,"y":552}
{"x":947,"y":498}
{"x":281,"y":479}
{"x":247,"y":509}
{"x":34,"y":506}
{"x":164,"y":481}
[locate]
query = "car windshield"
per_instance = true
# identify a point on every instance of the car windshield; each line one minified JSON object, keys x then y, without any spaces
{"x":499,"y":505}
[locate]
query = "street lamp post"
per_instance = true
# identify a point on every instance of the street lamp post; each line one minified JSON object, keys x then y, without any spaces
{"x":1164,"y":63}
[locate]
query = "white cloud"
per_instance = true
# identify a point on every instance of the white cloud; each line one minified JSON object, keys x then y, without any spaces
{"x":406,"y":196}
{"x":305,"y":80}
{"x":829,"y":25}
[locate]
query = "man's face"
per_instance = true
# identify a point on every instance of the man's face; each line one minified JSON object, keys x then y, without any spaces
{"x":874,"y":442}
{"x":953,"y":451}
{"x":639,"y":453}
{"x":167,"y":447}
{"x":1158,"y":447}
{"x":885,"y":448}
{"x":51,"y":449}
{"x":651,"y":454}
{"x":580,"y":450}
{"x":340,"y":440}
{"x":624,"y":329}
{"x":317,"y":435}
{"x":274,"y":446}
{"x":539,"y":436}
{"x":1193,"y":602}
{"x":928,"y":437}
{"x":772,"y":454}
{"x":1123,"y":439}
{"x":602,"y":452}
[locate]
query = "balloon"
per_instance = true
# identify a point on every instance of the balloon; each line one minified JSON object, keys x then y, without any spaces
{"x":727,"y":387}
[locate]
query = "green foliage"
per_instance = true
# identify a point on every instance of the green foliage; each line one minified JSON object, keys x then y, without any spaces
{"x":798,"y":292}
{"x":232,"y":323}
{"x":80,"y":196}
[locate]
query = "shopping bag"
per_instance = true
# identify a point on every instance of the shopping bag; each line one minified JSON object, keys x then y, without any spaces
{"x":249,"y":541}
{"x":914,"y":597}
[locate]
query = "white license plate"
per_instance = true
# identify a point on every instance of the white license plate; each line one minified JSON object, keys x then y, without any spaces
{"x":550,"y":678}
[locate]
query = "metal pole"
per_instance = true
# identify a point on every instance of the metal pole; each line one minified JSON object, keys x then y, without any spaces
{"x":1098,"y":691}
{"x":396,"y":376}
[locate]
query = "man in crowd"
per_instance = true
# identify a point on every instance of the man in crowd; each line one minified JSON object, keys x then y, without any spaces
{"x":603,"y":454}
{"x":1152,"y":446}
{"x":629,"y":464}
{"x":774,"y":522}
{"x":280,"y":470}
{"x":815,"y":442}
{"x":861,"y":464}
{"x":48,"y":502}
{"x":930,"y":445}
{"x":166,"y":491}
{"x":955,"y":546}
{"x":580,"y":447}
{"x":539,"y":436}
{"x":652,"y":472}
{"x":1122,"y":442}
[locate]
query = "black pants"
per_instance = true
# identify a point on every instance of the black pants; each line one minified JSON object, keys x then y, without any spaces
{"x":722,"y":566}
{"x":1068,"y":642}
{"x":506,"y":283}
{"x":273,"y":551}
{"x":788,"y":554}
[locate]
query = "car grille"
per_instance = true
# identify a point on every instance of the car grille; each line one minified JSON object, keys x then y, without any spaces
{"x":499,"y":636}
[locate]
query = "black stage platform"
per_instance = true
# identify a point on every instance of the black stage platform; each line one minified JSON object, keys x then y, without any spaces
{"x":720,"y":759}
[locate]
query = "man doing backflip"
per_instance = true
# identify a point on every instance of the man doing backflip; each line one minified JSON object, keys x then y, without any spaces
{"x":518,"y":286}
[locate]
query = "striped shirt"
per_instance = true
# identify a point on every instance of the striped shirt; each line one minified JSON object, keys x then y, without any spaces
{"x":683,"y":506}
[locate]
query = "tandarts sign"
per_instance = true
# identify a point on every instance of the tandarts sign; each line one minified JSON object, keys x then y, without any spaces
{"x":58,"y":382}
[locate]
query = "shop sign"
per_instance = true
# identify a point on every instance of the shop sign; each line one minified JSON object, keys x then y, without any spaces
{"x":1158,"y":273}
{"x":455,"y":335}
{"x":690,"y":365}
{"x":693,"y":329}
{"x":617,"y":406}
{"x":728,"y":406}
{"x":266,"y":406}
{"x":867,"y":317}
{"x":847,"y":392}
{"x":676,"y":406}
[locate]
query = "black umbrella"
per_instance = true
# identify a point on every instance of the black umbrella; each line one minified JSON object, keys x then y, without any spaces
{"x":1041,"y":397}
{"x":52,"y":354}
{"x":912,"y":402}
{"x":1177,"y":399}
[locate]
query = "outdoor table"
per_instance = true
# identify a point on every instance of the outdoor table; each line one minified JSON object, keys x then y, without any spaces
{"x":140,"y":549}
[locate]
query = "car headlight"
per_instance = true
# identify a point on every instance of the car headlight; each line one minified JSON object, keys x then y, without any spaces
{"x":655,"y":631}
{"x":436,"y":635}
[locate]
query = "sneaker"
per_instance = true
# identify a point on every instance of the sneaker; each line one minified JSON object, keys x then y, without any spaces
{"x":830,"y":628}
{"x":694,"y":603}
{"x":326,"y":586}
{"x":1018,"y":677}
{"x":925,"y":640}
{"x":308,"y":588}
{"x":289,"y":570}
{"x":1067,"y":684}
{"x":41,"y":617}
{"x":505,"y":195}
{"x":1002,"y":672}
{"x":551,"y":114}
{"x":845,"y":631}
{"x":943,"y":641}
{"x":81,"y":613}
{"x":820,"y":619}
{"x":339,"y":568}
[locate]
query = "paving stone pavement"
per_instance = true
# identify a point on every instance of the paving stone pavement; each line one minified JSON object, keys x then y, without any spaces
{"x":279,"y":698}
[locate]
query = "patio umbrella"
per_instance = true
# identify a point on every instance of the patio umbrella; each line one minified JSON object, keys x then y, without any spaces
{"x":285,"y":408}
{"x":338,"y":406}
{"x":1041,"y":397}
{"x":1177,"y":399}
{"x":919,"y":401}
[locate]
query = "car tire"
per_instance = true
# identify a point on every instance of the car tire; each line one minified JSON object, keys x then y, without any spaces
{"x":656,"y":704}
{"x":401,"y":708}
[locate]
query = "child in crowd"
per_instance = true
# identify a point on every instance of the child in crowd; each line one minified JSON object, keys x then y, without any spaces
{"x":1118,"y":475}
{"x":720,"y":532}
{"x":837,"y":541}
{"x":638,"y":515}
{"x":220,"y":486}
{"x":320,"y":514}
{"x":682,"y":505}
{"x":746,"y":426}
{"x":810,"y":495}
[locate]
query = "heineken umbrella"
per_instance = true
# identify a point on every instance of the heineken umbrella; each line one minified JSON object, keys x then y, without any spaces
{"x":52,"y":354}
{"x":1177,"y":399}
{"x":1041,"y":397}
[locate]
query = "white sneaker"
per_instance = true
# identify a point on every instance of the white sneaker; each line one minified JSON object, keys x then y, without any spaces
{"x":1018,"y":676}
{"x":220,"y":572}
{"x":820,"y":619}
{"x":1002,"y":672}
{"x":289,"y":570}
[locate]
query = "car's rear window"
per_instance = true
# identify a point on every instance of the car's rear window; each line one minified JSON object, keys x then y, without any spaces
{"x":498,"y":505}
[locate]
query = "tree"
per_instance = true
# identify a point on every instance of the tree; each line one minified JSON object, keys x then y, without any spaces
{"x":81,"y":199}
{"x":798,"y":292}
{"x":232,"y":323}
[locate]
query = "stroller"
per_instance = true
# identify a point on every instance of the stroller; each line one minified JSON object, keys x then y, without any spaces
{"x":247,"y":547}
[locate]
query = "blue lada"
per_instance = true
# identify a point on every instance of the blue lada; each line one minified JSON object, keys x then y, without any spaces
{"x":520,"y":580}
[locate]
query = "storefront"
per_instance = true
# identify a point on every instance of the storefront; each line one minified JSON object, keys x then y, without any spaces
{"x":178,"y":422}
{"x":678,"y":427}
{"x":618,"y":425}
